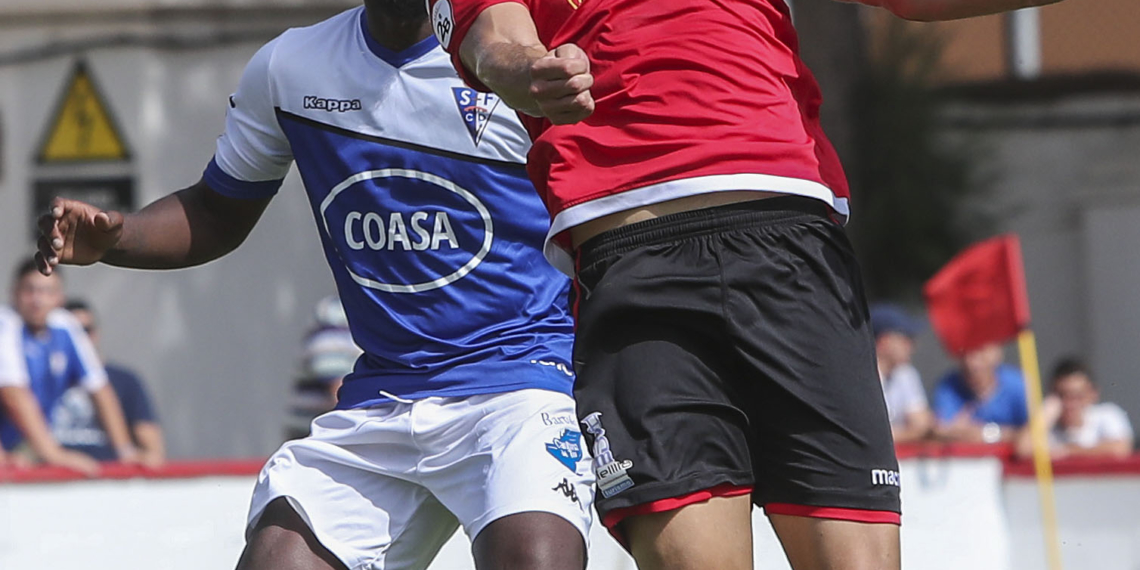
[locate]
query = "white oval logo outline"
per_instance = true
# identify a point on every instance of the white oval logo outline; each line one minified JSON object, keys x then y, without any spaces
{"x":488,"y":226}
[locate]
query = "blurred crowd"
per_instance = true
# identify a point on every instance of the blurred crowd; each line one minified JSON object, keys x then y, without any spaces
{"x":982,"y":399}
{"x":60,"y":403}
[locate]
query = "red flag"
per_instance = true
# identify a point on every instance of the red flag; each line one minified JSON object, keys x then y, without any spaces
{"x":979,"y":297}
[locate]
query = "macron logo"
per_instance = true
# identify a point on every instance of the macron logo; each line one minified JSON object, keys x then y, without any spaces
{"x":337,"y":105}
{"x":884,"y":477}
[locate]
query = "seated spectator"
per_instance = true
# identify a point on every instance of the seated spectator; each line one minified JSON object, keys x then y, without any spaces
{"x":1077,"y":422}
{"x":907,"y":408}
{"x":329,"y":355}
{"x":74,"y":422}
{"x":982,"y":401}
{"x":43,"y":353}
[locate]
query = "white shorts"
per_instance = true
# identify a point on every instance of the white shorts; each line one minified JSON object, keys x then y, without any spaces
{"x":383,"y":488}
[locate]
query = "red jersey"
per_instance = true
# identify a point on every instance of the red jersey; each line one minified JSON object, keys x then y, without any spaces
{"x":692,"y":96}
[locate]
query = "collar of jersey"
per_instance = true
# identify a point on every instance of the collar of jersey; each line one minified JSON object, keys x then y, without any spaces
{"x":396,"y":58}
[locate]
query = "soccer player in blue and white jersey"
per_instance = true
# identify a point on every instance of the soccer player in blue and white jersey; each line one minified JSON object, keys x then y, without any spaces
{"x":459,"y":411}
{"x":43,"y":353}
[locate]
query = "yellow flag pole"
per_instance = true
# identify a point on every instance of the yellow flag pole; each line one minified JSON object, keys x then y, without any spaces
{"x":1027,"y":345}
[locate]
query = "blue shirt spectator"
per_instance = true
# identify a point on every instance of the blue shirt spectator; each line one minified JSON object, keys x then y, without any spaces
{"x":48,"y":363}
{"x":43,"y":353}
{"x":983,"y":401}
{"x":1004,"y":406}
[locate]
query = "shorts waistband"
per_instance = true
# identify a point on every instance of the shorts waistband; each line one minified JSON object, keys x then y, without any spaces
{"x":693,"y":223}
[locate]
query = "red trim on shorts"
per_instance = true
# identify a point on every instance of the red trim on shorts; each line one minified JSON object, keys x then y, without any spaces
{"x":854,"y":515}
{"x":615,"y":516}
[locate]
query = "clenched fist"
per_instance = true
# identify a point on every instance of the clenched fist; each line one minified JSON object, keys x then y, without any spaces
{"x":560,"y":83}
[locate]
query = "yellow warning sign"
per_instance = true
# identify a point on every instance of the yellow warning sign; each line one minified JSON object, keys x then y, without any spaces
{"x":82,"y":128}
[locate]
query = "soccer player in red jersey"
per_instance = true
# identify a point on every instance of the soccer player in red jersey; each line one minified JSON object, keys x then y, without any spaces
{"x":723,"y":350}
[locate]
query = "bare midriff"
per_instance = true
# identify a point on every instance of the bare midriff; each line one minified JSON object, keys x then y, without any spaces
{"x":587,"y":230}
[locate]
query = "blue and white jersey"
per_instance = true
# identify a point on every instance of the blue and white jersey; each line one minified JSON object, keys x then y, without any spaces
{"x":428,"y":220}
{"x":47,"y":363}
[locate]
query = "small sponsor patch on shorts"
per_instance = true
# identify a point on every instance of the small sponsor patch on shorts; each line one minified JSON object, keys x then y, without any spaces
{"x":611,"y":473}
{"x":567,"y":449}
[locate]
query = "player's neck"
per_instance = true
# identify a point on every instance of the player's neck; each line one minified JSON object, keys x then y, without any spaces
{"x":396,"y":34}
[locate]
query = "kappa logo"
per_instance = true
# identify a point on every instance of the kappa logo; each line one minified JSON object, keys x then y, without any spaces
{"x":332,"y":105}
{"x":568,"y":491}
{"x":567,"y":449}
{"x":476,"y":109}
{"x":611,"y":473}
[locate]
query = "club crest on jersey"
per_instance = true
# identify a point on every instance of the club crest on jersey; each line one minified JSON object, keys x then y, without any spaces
{"x":567,"y":449}
{"x":476,"y":109}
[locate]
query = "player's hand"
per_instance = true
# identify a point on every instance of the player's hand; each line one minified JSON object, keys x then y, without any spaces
{"x":73,"y":460}
{"x":75,"y":233}
{"x":560,"y":83}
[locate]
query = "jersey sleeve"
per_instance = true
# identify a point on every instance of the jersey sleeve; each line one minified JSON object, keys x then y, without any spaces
{"x":85,"y":367}
{"x":914,"y":397}
{"x":947,"y":401}
{"x":13,"y":366}
{"x":253,"y":155}
{"x":1020,"y":411}
{"x":1114,"y":424}
{"x":450,"y":20}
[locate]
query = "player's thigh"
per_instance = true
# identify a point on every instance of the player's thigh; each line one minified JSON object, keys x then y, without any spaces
{"x":518,"y":452}
{"x":347,"y":484}
{"x":282,"y":540}
{"x":531,"y":540}
{"x":716,"y":533}
{"x":826,"y":544}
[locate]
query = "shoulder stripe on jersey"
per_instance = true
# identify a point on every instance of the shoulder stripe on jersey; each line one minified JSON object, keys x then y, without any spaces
{"x":396,"y":143}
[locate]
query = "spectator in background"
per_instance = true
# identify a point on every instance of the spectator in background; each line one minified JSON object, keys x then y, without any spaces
{"x":982,"y":401}
{"x":43,"y":353}
{"x":1077,"y":423}
{"x":910,"y":415}
{"x":74,"y":420}
{"x":330,"y":354}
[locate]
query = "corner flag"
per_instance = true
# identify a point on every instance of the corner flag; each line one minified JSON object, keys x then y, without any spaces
{"x":980,"y":296}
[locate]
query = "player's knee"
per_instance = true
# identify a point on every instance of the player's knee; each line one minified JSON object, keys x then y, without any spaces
{"x":530,"y":541}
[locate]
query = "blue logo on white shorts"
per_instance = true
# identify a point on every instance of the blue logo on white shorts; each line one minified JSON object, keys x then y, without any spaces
{"x":567,"y":449}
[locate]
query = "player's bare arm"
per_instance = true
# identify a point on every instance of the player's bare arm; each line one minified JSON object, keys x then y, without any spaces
{"x":502,"y":48}
{"x":187,"y":228}
{"x":938,"y":10}
{"x":24,"y":410}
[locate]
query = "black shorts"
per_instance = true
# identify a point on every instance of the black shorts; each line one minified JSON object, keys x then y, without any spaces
{"x":728,"y":351}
